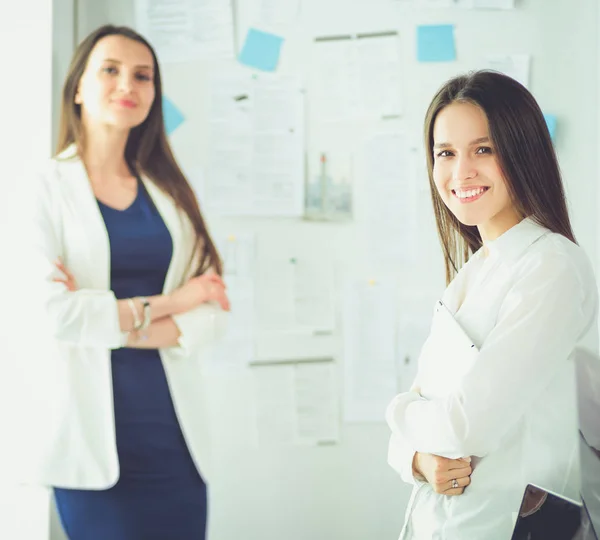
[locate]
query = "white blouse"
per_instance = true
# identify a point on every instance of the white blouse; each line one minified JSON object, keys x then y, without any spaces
{"x":509,"y":402}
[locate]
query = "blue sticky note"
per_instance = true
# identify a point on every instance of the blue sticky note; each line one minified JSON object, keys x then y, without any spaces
{"x":261,"y":50}
{"x":551,"y":122}
{"x":435,"y":43}
{"x":173,"y":117}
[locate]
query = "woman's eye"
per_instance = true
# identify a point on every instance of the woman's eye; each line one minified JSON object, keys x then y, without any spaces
{"x":142,"y":77}
{"x":110,"y":70}
{"x":484,"y":150}
{"x":444,"y":153}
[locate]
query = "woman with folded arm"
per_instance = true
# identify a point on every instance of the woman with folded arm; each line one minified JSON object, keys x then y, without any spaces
{"x":483,"y":421}
{"x":125,"y":280}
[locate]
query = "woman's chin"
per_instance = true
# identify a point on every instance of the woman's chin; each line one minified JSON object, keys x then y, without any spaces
{"x":469,"y":220}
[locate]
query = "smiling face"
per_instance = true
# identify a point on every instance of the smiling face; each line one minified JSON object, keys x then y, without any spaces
{"x":466,"y":171}
{"x":117,"y":87}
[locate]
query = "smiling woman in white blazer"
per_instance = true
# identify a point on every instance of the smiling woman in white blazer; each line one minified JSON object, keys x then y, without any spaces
{"x":115,"y":155}
{"x":493,"y":406}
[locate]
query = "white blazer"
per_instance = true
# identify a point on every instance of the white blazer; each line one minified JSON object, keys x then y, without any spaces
{"x":509,"y":401}
{"x":62,"y":341}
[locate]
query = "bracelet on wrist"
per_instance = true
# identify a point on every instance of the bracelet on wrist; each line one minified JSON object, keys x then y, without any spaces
{"x":137,"y":323}
{"x":147,"y":313}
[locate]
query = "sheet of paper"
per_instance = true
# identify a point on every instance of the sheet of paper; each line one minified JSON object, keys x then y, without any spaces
{"x":294,"y":346}
{"x":278,"y":158}
{"x":275,"y":404}
{"x":278,"y":17}
{"x":412,"y":334}
{"x":468,"y":4}
{"x":295,"y":296}
{"x":229,"y":94}
{"x":238,"y":252}
{"x":312,"y":294}
{"x":296,"y":404}
{"x":379,"y":72}
{"x":173,"y":117}
{"x":187,"y":30}
{"x":278,"y":14}
{"x":516,"y":66}
{"x":227,"y":181}
{"x":236,"y":348}
{"x":437,"y":3}
{"x":261,"y":50}
{"x":317,"y":412}
{"x":435,"y":43}
{"x":332,"y":86}
{"x":356,"y":76}
{"x":303,"y":299}
{"x":491,"y":4}
{"x":390,"y":202}
{"x":274,"y":298}
{"x":257,"y":146}
{"x":369,"y":351}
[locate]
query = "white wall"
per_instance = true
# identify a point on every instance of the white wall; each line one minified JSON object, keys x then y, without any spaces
{"x":26,"y":38}
{"x":596,"y":176}
{"x":347,"y":491}
{"x":64,"y":40}
{"x":26,"y":98}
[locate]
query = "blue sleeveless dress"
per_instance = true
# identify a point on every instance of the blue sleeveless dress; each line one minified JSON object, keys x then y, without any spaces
{"x":159,"y":494}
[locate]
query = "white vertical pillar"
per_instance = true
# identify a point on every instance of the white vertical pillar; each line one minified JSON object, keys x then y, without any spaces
{"x":597,"y":175}
{"x":26,"y":88}
{"x":25,"y":140}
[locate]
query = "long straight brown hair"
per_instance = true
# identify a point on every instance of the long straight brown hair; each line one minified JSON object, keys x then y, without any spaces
{"x":147,"y":150}
{"x":525,"y":155}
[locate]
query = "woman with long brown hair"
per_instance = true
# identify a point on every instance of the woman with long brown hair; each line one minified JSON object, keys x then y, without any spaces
{"x":493,"y":406}
{"x":127,"y":280}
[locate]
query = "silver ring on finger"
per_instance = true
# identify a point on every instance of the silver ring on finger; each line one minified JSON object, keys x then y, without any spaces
{"x":454,"y":483}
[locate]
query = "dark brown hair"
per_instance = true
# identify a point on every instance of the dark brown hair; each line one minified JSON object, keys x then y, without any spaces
{"x":525,"y":155}
{"x":147,"y":150}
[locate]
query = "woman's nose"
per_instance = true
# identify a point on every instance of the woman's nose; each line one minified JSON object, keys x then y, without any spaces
{"x":125,"y":83}
{"x":465,"y":169}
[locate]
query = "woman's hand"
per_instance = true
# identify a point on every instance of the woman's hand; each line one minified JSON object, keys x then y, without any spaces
{"x":440,"y":472}
{"x":68,"y":279}
{"x":199,"y":290}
